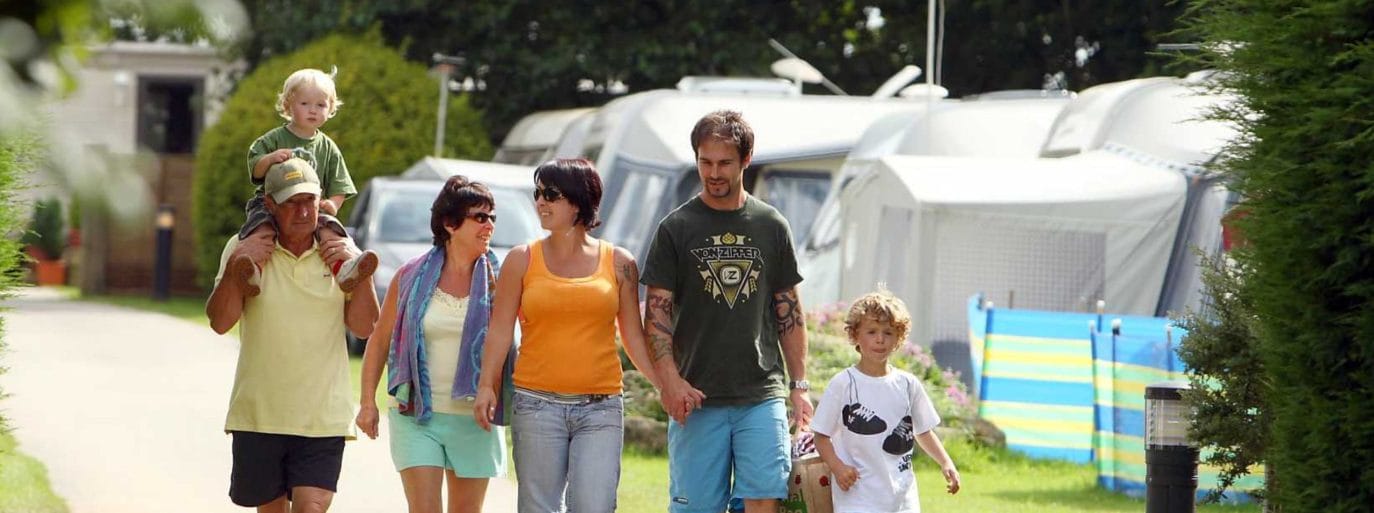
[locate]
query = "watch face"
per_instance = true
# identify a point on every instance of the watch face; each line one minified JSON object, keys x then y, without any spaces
{"x":800,"y":385}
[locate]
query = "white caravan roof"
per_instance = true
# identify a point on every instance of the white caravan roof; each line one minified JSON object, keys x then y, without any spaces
{"x":532,"y":137}
{"x":1160,"y":118}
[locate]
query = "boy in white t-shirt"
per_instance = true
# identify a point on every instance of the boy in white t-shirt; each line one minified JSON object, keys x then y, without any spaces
{"x":873,"y":415}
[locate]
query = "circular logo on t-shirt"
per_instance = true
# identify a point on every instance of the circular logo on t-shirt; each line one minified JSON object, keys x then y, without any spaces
{"x":731,"y":275}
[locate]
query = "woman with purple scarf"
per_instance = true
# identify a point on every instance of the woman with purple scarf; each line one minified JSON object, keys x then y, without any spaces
{"x":431,"y":334}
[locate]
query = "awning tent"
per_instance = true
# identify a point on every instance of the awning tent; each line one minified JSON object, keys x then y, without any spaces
{"x":1048,"y":234}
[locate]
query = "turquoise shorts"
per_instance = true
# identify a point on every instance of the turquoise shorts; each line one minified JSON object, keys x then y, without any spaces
{"x":453,"y":442}
{"x":725,"y":452}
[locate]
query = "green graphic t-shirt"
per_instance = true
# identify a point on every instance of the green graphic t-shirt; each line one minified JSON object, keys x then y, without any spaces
{"x":723,"y":268}
{"x":328,"y":160}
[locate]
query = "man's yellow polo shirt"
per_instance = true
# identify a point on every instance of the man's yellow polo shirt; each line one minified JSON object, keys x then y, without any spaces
{"x":292,"y":375}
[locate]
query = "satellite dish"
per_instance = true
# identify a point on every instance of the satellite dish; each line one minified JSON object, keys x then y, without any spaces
{"x":923,"y":90}
{"x":797,"y":70}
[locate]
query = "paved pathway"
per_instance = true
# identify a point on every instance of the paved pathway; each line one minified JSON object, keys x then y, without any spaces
{"x":126,"y":408}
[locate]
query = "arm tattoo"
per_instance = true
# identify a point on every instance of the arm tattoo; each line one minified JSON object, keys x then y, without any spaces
{"x":629,"y":273}
{"x":788,"y":311}
{"x":659,"y":314}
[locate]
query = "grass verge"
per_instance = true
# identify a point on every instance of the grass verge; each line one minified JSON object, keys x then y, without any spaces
{"x":993,"y":480}
{"x":24,"y":482}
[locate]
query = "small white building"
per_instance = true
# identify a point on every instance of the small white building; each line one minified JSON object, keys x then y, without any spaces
{"x":127,"y":135}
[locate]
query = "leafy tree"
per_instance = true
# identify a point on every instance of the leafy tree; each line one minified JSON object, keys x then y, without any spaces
{"x":385,"y":124}
{"x":1302,"y":73}
{"x":1226,"y":376}
{"x":532,"y":55}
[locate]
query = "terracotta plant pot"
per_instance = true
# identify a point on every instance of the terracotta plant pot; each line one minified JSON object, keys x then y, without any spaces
{"x":50,"y":272}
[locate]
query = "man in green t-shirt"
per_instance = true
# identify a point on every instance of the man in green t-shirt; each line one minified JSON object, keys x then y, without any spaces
{"x":726,"y":332}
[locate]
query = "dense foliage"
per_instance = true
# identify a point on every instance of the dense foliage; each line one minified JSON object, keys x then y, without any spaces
{"x":531,"y":55}
{"x":385,"y":125}
{"x":17,"y":154}
{"x":1304,"y":72}
{"x":1226,"y":377}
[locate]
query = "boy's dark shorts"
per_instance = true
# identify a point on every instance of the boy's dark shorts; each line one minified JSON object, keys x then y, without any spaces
{"x":257,"y":213}
{"x":267,"y":466}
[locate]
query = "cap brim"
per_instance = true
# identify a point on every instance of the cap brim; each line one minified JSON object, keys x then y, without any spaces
{"x":286,"y":194}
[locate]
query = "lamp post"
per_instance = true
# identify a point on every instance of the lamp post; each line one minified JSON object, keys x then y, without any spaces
{"x":1170,"y":459}
{"x":162,"y":266}
{"x":445,"y":65}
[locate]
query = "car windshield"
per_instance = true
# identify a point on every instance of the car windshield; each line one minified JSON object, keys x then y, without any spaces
{"x":405,"y":217}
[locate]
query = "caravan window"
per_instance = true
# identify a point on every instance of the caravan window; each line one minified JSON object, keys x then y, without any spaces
{"x":631,"y":218}
{"x":798,"y":195}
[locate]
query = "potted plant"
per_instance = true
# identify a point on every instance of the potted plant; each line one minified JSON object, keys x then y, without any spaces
{"x":45,"y":239}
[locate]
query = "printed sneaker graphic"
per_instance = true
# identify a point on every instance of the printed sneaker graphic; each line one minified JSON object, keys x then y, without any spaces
{"x":900,"y":441}
{"x":862,"y":420}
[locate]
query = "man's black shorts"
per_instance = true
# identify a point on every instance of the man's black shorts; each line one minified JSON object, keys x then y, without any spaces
{"x":267,"y":466}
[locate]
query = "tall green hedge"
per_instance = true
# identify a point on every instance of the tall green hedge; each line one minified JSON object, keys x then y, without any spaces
{"x":385,"y":124}
{"x":17,"y":153}
{"x":1304,"y":72}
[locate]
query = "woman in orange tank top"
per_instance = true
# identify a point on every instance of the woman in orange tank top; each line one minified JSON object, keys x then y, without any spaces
{"x":569,"y":291}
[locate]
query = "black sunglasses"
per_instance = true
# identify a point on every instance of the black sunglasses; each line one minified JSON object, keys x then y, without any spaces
{"x":482,"y":217}
{"x":551,"y":194}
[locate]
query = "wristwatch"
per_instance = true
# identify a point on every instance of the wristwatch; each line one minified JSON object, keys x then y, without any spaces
{"x":799,"y":384}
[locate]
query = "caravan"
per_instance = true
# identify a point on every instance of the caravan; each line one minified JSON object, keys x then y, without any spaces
{"x":640,"y":145}
{"x":535,"y":138}
{"x":1108,"y":207}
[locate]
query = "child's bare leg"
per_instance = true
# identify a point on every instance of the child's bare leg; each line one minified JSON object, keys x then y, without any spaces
{"x":349,"y":273}
{"x":247,"y":271}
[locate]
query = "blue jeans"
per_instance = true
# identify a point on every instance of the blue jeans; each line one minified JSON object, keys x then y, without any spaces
{"x":568,"y":447}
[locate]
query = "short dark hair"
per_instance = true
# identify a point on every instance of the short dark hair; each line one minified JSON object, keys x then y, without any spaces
{"x":578,"y":180}
{"x":727,"y":126}
{"x":451,"y":206}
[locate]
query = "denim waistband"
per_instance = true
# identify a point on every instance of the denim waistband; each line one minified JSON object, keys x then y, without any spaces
{"x":555,"y":397}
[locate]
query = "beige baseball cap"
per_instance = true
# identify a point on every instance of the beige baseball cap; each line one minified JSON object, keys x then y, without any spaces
{"x":287,"y":179}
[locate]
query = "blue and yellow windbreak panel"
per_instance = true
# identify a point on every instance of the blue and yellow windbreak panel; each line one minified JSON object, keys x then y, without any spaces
{"x":1068,"y":386}
{"x":1035,"y":379}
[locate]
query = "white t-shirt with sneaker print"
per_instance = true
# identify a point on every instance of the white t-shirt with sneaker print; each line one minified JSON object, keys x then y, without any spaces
{"x":872,"y":423}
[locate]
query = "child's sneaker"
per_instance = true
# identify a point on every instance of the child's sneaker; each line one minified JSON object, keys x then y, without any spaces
{"x":900,"y":441}
{"x":246,"y":273}
{"x":859,"y":419}
{"x":356,"y":270}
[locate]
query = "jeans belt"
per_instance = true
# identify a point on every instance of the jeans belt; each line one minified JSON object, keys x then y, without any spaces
{"x":572,"y":399}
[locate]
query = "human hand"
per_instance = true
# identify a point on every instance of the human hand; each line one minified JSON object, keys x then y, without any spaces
{"x":484,"y":407}
{"x":338,"y":251}
{"x":327,"y":206}
{"x":802,"y":410}
{"x":846,"y":476}
{"x":679,"y":397}
{"x":951,"y":478}
{"x":279,"y":156}
{"x":367,"y":420}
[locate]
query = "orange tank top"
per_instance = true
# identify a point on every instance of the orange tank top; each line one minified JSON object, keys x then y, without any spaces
{"x":567,"y":325}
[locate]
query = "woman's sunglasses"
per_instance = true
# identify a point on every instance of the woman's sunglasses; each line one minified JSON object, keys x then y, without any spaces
{"x":550,"y":194}
{"x":482,"y":217}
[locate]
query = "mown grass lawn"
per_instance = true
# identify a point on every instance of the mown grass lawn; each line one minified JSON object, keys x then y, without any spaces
{"x":993,"y":482}
{"x":24,"y":482}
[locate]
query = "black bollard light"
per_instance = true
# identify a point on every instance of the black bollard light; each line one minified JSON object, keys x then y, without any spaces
{"x":1170,"y":460}
{"x":162,"y":266}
